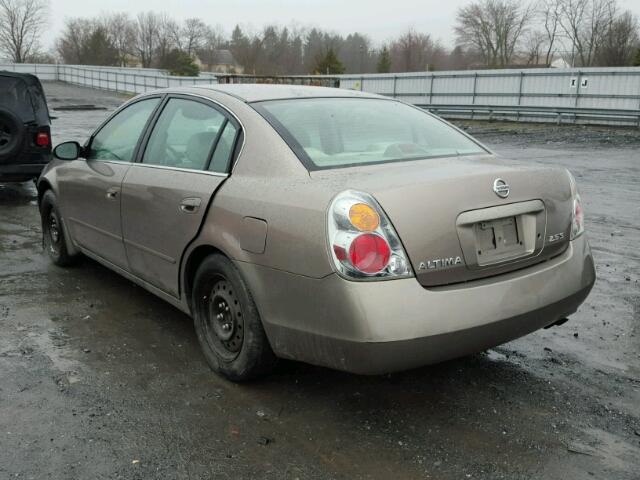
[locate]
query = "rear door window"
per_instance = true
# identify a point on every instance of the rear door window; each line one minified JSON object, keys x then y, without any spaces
{"x":184,"y":135}
{"x":224,"y":149}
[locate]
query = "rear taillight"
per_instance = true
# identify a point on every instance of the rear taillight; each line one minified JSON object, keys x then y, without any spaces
{"x":364,"y":244}
{"x":577,"y":223}
{"x":577,"y":214}
{"x":43,"y":139}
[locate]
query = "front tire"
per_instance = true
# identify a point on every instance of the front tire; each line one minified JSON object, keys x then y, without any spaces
{"x":53,"y":236}
{"x":228,"y":324}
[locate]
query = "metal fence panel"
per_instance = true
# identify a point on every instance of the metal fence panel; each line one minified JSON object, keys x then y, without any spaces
{"x":615,"y":88}
{"x":122,"y":80}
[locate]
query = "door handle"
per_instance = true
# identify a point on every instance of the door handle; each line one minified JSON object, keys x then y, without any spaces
{"x":190,"y":205}
{"x":112,"y":193}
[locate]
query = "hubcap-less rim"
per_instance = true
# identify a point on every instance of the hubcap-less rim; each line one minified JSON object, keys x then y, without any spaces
{"x":54,"y":232}
{"x":224,"y":322}
{"x":53,"y":229}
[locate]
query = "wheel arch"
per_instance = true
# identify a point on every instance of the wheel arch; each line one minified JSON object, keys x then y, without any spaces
{"x":193,"y":261}
{"x":42,"y":186}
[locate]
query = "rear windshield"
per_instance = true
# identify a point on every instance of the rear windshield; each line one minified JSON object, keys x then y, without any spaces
{"x":340,"y":132}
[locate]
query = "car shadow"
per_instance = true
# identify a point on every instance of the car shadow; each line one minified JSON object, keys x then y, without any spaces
{"x":499,"y":370}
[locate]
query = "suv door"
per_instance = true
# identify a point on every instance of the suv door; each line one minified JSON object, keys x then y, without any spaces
{"x":90,"y":189}
{"x":166,"y":194}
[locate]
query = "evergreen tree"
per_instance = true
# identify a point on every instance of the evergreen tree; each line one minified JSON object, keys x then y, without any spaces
{"x":329,"y":64}
{"x":384,"y":61}
{"x":180,"y":63}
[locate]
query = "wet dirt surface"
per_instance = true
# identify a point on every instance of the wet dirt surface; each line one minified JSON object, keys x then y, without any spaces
{"x":99,"y":379}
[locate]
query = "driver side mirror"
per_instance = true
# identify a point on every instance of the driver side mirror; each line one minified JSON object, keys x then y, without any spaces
{"x":68,"y":151}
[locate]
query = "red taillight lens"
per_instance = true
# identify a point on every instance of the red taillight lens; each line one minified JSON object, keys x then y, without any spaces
{"x":369,"y":253}
{"x":42,"y":139}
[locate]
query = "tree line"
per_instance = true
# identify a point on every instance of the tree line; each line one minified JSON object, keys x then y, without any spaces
{"x":488,"y":34}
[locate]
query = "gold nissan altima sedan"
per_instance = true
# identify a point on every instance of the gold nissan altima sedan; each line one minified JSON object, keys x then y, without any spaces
{"x":329,"y":226}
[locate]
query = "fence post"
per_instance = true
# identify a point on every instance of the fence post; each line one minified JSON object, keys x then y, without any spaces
{"x":575,"y":117}
{"x":473,"y":95}
{"x":519,"y":95}
{"x":433,"y":79}
{"x":395,"y":81}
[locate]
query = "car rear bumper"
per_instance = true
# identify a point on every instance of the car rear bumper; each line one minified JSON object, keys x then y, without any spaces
{"x":384,"y":326}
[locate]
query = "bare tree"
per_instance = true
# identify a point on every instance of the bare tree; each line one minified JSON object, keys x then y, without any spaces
{"x":620,"y":42}
{"x":21,"y":23}
{"x":585,"y":24}
{"x":213,"y":42}
{"x":414,"y":51}
{"x":194,"y":33}
{"x":73,"y":40}
{"x":122,"y":34}
{"x":146,"y":39}
{"x":494,"y":28}
{"x":168,"y":38}
{"x":87,"y":42}
{"x":549,"y":13}
{"x":534,"y":46}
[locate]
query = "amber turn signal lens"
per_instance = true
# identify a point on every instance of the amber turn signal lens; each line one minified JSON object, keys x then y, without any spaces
{"x":363,"y":217}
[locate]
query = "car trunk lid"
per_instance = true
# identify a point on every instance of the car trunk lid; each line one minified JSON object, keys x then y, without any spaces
{"x":454,"y":226}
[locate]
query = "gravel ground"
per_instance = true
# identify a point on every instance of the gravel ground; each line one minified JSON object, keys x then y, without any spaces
{"x":99,"y":379}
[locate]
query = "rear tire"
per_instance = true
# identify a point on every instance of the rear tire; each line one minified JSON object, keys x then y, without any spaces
{"x":228,"y":324}
{"x":53,"y":236}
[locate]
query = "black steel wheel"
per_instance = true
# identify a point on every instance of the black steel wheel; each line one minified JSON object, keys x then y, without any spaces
{"x":227,"y":322}
{"x":53,"y":237}
{"x":224,"y":325}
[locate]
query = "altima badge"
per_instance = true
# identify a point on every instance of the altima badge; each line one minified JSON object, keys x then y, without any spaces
{"x":440,"y":263}
{"x":501,"y":188}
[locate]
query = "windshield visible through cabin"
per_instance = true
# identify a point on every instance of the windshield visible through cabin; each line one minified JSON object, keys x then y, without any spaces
{"x":337,"y":132}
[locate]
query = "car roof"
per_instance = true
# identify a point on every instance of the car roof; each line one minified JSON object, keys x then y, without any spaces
{"x":258,"y":92}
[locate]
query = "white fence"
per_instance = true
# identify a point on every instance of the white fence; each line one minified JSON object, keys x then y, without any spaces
{"x":560,"y":91}
{"x":590,"y":95}
{"x":124,"y":80}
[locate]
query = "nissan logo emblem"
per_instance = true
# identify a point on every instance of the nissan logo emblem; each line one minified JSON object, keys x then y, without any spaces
{"x":501,"y":188}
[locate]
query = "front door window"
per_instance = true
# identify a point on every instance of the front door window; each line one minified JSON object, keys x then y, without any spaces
{"x":118,"y":139}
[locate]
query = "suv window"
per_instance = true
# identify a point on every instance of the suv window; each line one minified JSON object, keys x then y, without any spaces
{"x":184,"y":135}
{"x":14,"y":96}
{"x":117,"y":140}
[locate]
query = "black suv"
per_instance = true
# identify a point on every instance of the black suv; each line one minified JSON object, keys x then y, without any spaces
{"x":25,"y":127}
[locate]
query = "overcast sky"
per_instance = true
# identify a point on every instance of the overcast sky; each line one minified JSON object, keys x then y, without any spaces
{"x":381,"y":20}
